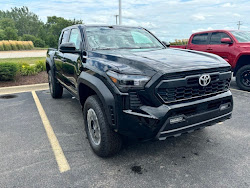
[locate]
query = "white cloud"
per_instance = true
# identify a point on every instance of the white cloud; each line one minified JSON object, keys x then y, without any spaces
{"x":202,"y":29}
{"x":198,"y":17}
{"x":236,"y":15}
{"x":171,"y":19}
{"x":228,"y":5}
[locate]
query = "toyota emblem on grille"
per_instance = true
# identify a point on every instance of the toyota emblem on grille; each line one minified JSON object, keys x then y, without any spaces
{"x":204,"y":80}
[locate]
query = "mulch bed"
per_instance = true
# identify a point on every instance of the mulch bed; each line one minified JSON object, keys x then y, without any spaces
{"x":41,"y":77}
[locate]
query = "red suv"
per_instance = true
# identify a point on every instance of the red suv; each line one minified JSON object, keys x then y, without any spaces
{"x":233,"y":46}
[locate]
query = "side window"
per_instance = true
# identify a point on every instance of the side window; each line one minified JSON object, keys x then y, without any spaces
{"x":65,"y":36}
{"x":75,"y":37}
{"x":216,"y":37}
{"x":200,"y":39}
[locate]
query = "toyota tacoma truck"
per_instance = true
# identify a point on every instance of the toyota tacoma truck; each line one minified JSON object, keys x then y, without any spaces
{"x":130,"y":84}
{"x":231,"y":45}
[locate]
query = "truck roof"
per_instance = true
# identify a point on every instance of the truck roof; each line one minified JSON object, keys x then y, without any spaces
{"x":218,"y":30}
{"x":101,"y":25}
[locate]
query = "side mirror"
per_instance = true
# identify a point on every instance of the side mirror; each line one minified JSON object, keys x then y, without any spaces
{"x":226,"y":41}
{"x":167,"y":44}
{"x":67,"y":47}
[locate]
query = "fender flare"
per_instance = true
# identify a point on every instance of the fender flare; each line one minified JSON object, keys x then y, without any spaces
{"x":50,"y":63}
{"x":102,"y":91}
{"x":236,"y":62}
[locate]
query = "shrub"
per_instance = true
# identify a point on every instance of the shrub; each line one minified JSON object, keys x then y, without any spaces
{"x":26,"y":69}
{"x":179,"y":42}
{"x":8,"y":71}
{"x":28,"y":45}
{"x":16,"y":45}
{"x":13,"y":45}
{"x":19,"y":45}
{"x":40,"y":66}
{"x":27,"y":37}
{"x":1,"y":46}
{"x":39,"y":43}
{"x":6,"y":45}
{"x":31,"y":45}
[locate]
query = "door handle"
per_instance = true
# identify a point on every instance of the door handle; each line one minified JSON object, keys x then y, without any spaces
{"x":64,"y":60}
{"x":209,"y":49}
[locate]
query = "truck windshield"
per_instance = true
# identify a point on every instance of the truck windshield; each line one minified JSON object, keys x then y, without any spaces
{"x":242,"y":36}
{"x":120,"y":38}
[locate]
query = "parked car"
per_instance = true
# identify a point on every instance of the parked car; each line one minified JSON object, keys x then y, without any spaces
{"x":231,"y":45}
{"x":130,"y":84}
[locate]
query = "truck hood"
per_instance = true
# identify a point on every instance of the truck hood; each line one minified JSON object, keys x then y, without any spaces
{"x":244,"y":46}
{"x":148,"y":61}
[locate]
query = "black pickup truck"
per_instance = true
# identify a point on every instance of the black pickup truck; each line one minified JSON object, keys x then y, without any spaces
{"x":131,"y":84}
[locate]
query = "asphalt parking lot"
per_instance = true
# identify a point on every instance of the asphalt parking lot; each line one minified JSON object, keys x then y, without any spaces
{"x":216,"y":156}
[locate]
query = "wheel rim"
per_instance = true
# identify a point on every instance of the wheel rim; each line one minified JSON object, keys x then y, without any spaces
{"x":245,"y":77}
{"x":50,"y":82}
{"x":93,"y":127}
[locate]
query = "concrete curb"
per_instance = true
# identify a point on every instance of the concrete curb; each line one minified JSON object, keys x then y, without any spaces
{"x":23,"y":88}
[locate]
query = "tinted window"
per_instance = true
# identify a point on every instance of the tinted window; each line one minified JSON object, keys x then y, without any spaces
{"x":65,"y":36}
{"x":75,"y":37}
{"x":216,"y":37}
{"x":200,"y":38}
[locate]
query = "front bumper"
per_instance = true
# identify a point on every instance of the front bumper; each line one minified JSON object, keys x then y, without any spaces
{"x":160,"y":122}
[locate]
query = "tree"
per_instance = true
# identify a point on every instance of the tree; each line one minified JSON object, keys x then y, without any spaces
{"x":2,"y":34}
{"x":21,"y":24}
{"x":7,"y":22}
{"x":54,"y":27}
{"x":10,"y":33}
{"x":26,"y":22}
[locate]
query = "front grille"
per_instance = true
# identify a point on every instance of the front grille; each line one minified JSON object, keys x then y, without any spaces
{"x":189,"y":87}
{"x":135,"y":102}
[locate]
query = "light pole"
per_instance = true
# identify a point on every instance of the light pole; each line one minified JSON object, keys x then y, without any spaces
{"x":116,"y":19}
{"x":120,"y":12}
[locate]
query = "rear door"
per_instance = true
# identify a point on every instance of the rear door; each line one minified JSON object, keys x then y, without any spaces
{"x":199,"y":42}
{"x":59,"y":56}
{"x":224,"y":50}
{"x":72,"y":61}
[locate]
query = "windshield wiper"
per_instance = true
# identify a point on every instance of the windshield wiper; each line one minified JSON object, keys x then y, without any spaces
{"x":105,"y":48}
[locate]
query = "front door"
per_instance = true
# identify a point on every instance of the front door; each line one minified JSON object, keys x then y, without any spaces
{"x":59,"y":57}
{"x":72,"y":61}
{"x":223,"y":50}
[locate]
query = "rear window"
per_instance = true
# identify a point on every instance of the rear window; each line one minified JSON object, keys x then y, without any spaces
{"x":200,"y":39}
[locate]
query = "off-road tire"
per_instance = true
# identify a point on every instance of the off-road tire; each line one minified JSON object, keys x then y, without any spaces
{"x":110,"y":142}
{"x":239,"y":78}
{"x":56,"y":90}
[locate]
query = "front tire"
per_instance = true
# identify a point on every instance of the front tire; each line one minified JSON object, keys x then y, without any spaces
{"x":103,"y":141}
{"x":243,"y":78}
{"x":56,"y":90}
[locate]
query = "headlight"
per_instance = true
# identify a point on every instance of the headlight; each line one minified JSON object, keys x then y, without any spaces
{"x":125,"y":82}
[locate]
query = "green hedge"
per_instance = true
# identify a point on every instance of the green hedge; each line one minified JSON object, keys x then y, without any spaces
{"x":9,"y":70}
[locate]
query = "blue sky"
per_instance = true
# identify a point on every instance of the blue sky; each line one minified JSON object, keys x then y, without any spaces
{"x":167,"y":19}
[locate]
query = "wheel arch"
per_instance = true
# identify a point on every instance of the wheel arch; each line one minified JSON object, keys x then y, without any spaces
{"x":48,"y":64}
{"x":242,"y":61}
{"x":90,"y":85}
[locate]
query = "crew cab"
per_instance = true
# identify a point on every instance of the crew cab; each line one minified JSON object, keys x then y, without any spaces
{"x":130,"y":84}
{"x":231,"y":45}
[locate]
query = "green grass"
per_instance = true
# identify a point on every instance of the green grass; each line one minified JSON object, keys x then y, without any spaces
{"x":28,"y":60}
{"x":38,"y":48}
